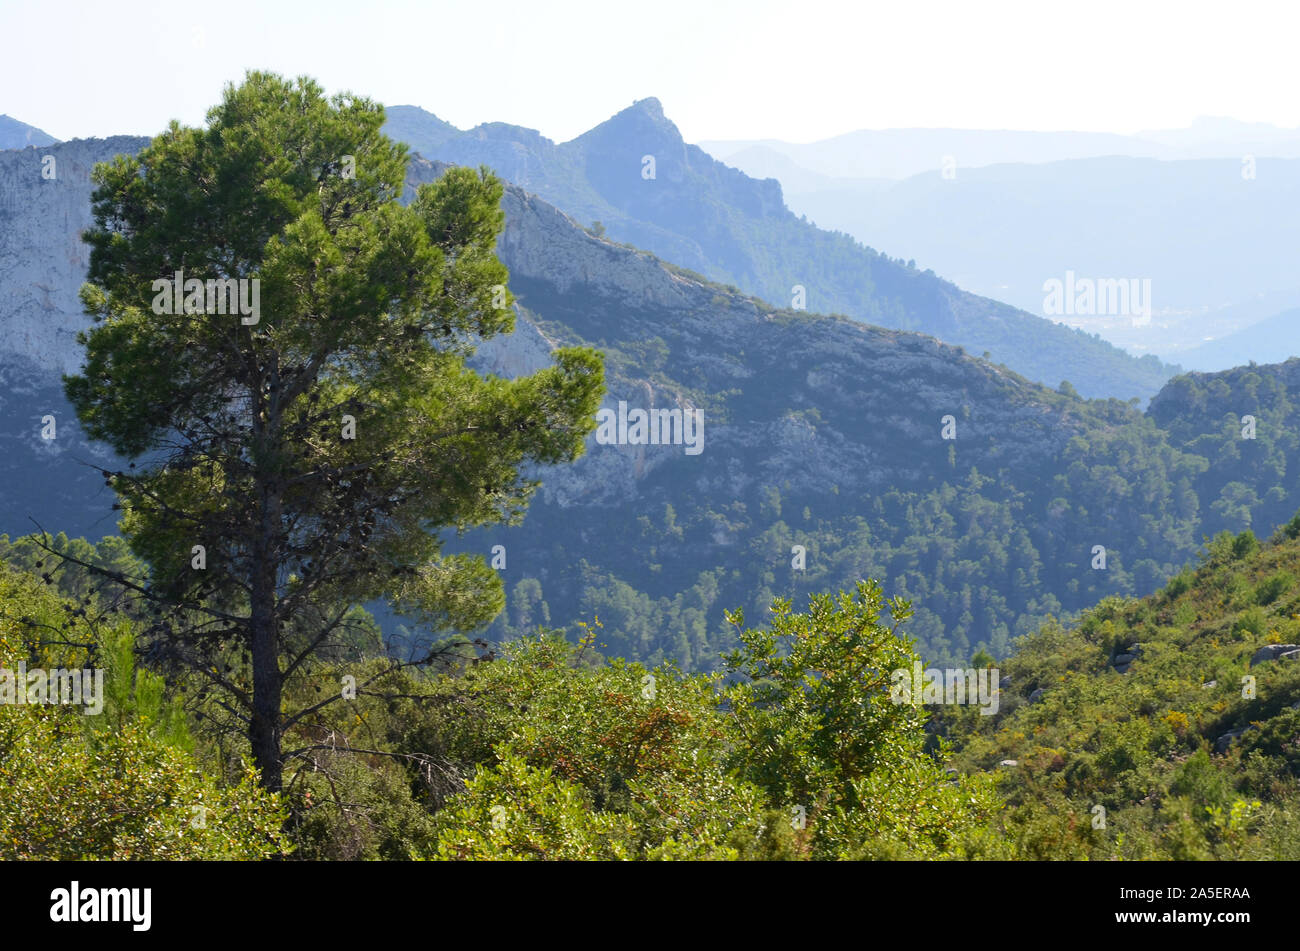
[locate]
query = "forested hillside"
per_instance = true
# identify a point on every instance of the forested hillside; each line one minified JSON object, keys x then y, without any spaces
{"x":1165,"y":727}
{"x":1245,"y":422}
{"x":1154,"y":728}
{"x":545,"y":750}
{"x":828,"y":435}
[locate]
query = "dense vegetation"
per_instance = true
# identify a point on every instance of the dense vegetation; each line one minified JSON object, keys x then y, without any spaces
{"x":1191,"y":752}
{"x":1245,"y":423}
{"x":131,"y":782}
{"x":545,"y":750}
{"x":988,"y":534}
{"x":1134,"y":734}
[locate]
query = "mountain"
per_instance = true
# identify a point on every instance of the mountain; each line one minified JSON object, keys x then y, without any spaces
{"x":824,"y":456}
{"x":822,"y":433}
{"x":42,"y":257}
{"x":19,"y":135}
{"x":703,"y":215}
{"x":42,"y":265}
{"x":1161,"y":728}
{"x":1245,"y":422}
{"x":902,"y":153}
{"x":1201,"y":233}
{"x":1274,"y":338}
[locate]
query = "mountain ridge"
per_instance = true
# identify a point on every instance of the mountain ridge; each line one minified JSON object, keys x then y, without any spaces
{"x":703,"y":215}
{"x":15,"y":134}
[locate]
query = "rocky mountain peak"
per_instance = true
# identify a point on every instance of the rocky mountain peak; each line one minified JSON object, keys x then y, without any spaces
{"x":642,"y":123}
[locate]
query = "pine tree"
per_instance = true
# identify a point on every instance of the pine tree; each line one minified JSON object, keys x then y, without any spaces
{"x":295,"y":451}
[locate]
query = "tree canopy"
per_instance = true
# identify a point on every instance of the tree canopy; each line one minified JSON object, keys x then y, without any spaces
{"x":296,"y":456}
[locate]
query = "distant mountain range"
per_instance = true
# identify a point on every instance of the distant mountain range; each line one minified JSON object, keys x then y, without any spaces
{"x":1204,"y":236}
{"x":1276,"y":335}
{"x":1012,"y":211}
{"x":902,"y":153}
{"x":734,"y":229}
{"x":646,"y":187}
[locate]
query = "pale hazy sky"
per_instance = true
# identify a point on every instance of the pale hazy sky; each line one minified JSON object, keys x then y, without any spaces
{"x":797,"y":71}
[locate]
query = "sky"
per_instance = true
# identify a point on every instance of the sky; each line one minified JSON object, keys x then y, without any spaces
{"x":797,"y":71}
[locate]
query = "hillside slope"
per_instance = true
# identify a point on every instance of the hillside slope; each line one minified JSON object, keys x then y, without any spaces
{"x":1245,"y":422}
{"x":1166,"y":727}
{"x":823,"y":433}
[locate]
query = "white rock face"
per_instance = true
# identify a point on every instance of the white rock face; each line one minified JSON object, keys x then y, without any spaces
{"x":543,"y":244}
{"x":511,"y":355}
{"x":47,"y":474}
{"x":535,"y":234}
{"x":43,"y":260}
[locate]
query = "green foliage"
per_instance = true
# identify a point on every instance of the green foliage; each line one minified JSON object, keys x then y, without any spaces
{"x":122,"y":794}
{"x":1273,"y":587}
{"x":308,"y":452}
{"x":118,"y":784}
{"x":517,"y":811}
{"x":819,"y":729}
{"x":644,"y":745}
{"x":814,"y":707}
{"x":1243,"y":484}
{"x":804,"y":757}
{"x":1152,"y":748}
{"x":1250,"y":623}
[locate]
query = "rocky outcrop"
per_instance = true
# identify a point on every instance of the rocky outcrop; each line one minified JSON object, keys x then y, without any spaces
{"x":1222,"y":744}
{"x":1274,"y":652}
{"x":1125,"y":658}
{"x":813,"y":418}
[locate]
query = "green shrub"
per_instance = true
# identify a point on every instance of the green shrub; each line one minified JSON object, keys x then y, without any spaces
{"x":1273,"y":587}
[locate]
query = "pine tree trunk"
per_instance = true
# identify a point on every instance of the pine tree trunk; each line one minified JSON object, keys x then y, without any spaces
{"x":264,"y":731}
